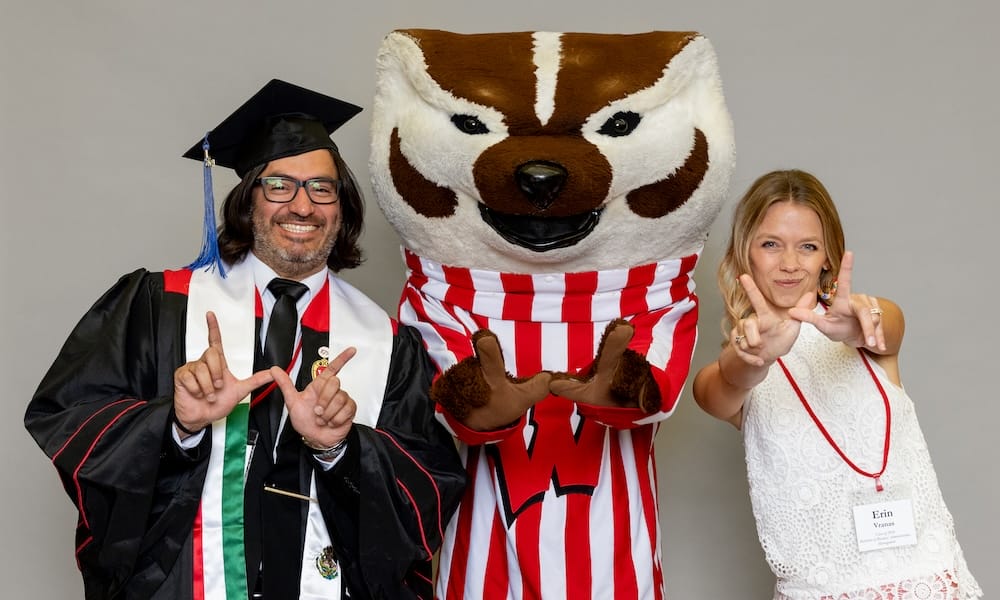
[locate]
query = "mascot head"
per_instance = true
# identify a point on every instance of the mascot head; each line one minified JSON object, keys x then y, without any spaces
{"x":538,"y":152}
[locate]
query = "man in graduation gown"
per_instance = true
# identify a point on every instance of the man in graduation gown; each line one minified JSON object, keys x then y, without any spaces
{"x":204,"y":465}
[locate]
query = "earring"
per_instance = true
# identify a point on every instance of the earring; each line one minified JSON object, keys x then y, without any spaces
{"x":827,"y":296}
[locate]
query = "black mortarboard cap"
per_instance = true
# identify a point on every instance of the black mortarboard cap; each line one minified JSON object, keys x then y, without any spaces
{"x":280,"y":120}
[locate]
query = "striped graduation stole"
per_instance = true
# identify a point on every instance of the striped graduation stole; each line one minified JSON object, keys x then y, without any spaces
{"x":219,"y":556}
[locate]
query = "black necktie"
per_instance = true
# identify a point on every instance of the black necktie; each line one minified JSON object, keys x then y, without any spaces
{"x":284,"y":321}
{"x":280,"y":524}
{"x":281,"y":338}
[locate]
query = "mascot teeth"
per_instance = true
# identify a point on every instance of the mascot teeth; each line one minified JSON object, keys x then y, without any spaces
{"x":541,"y":234}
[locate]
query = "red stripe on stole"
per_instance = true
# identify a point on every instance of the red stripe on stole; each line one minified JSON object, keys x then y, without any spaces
{"x":177,"y":282}
{"x":317,"y":314}
{"x":624,"y":566}
{"x":198,"y":573}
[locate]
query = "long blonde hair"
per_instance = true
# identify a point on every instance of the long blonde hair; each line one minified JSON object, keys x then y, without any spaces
{"x":790,"y":185}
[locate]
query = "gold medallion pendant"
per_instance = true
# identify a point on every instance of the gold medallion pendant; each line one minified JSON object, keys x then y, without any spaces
{"x":322,"y":363}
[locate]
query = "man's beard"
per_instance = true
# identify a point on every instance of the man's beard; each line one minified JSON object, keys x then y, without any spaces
{"x":289,"y":260}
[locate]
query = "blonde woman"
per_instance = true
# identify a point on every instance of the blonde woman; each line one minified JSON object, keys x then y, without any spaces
{"x":844,"y":494}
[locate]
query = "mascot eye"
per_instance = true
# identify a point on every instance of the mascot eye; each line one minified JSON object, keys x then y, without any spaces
{"x":620,"y":123}
{"x":469,"y":124}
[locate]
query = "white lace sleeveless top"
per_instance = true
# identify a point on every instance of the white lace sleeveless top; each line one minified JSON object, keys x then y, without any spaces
{"x":803,"y":493}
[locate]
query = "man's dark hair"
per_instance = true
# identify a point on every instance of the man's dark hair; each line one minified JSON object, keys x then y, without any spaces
{"x":236,"y":231}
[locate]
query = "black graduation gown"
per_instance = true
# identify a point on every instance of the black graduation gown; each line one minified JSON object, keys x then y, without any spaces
{"x":103,"y":414}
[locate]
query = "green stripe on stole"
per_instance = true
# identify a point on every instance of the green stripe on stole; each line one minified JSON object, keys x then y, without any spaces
{"x":233,"y":474}
{"x":221,"y":570}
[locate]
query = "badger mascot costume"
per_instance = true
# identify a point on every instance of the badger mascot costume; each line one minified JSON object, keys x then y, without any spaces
{"x":553,"y":192}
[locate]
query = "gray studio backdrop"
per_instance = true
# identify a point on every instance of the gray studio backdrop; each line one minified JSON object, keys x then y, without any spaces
{"x":891,"y":103}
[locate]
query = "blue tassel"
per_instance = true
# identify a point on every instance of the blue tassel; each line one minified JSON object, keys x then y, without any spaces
{"x":209,"y":256}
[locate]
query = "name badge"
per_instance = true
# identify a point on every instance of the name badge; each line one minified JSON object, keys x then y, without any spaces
{"x":886,"y":524}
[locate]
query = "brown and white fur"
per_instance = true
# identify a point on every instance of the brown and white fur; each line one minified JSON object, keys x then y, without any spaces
{"x":541,"y":156}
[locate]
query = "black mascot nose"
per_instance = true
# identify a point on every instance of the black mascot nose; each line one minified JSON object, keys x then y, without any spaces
{"x":541,"y":181}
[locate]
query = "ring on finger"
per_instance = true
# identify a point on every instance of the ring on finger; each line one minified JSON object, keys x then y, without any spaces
{"x":875,"y":311}
{"x":738,"y":339}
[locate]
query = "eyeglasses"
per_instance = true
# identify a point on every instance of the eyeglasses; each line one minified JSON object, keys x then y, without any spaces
{"x":321,"y":190}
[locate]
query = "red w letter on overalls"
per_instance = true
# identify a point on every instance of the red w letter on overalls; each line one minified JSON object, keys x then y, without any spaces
{"x":554,"y":445}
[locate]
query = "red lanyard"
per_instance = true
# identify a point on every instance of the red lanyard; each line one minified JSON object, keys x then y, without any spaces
{"x":888,"y":418}
{"x":270,"y":388}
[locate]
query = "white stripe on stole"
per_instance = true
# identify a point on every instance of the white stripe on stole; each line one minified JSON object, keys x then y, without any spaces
{"x":358,"y":322}
{"x":355,"y":320}
{"x":231,"y":299}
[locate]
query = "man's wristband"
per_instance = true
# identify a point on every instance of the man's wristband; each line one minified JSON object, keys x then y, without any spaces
{"x":183,"y":429}
{"x":326,"y":454}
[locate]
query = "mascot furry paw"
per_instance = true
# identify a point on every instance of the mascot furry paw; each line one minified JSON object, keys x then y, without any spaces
{"x":553,"y":192}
